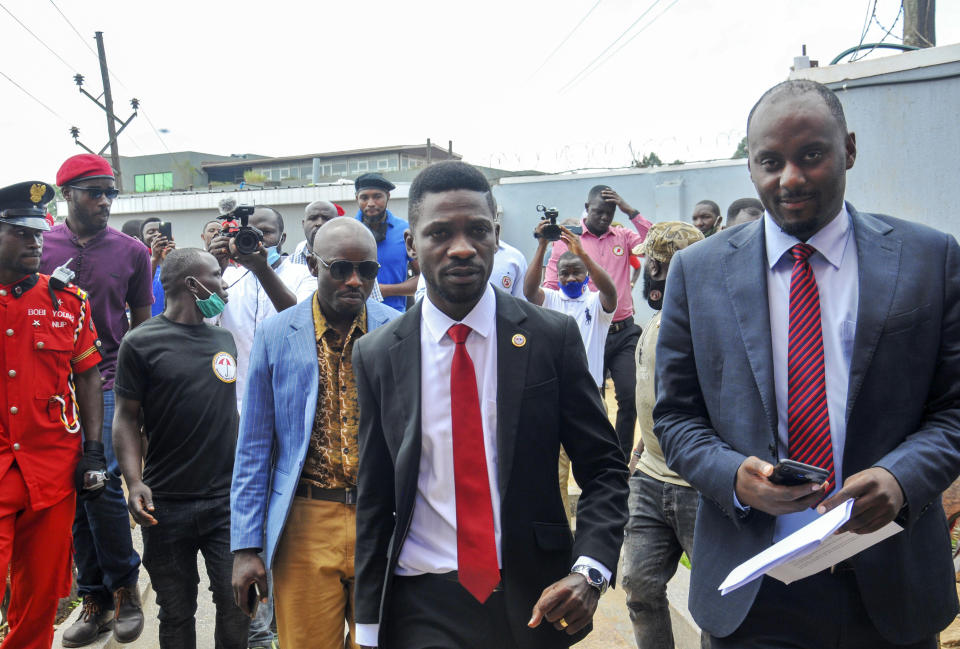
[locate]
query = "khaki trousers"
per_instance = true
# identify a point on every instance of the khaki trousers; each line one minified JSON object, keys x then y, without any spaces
{"x":313,"y":575}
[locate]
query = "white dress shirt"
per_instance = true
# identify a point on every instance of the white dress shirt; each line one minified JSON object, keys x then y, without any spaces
{"x":249,"y":305}
{"x":431,"y":542}
{"x":835,"y":267}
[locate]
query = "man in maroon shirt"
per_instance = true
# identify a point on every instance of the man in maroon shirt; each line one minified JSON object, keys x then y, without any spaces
{"x":114,"y":269}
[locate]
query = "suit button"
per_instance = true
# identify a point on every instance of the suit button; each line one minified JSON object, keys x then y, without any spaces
{"x":14,"y":410}
{"x":12,"y":373}
{"x":9,"y":332}
{"x":16,"y":446}
{"x":39,"y":344}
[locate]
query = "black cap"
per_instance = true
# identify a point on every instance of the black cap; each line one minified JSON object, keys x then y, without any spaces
{"x":24,"y":204}
{"x":373,"y":181}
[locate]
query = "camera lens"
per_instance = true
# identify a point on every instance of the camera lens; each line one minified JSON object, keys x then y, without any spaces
{"x":248,"y":240}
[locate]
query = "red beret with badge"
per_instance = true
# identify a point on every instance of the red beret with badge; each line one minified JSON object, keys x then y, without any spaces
{"x":83,"y":167}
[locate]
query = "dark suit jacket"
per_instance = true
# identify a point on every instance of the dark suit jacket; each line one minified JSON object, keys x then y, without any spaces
{"x":716,"y":405}
{"x":545,"y":397}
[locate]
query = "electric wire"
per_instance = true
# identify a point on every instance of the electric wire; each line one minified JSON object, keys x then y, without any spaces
{"x":39,"y":40}
{"x":628,"y":41}
{"x":610,"y":46}
{"x":565,"y":39}
{"x":880,"y":42}
{"x":75,"y":31}
{"x":871,"y":14}
{"x":33,"y":97}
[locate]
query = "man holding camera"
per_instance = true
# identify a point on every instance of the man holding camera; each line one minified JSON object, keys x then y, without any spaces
{"x":610,"y":247}
{"x":262,"y":282}
{"x":49,"y":353}
{"x":114,"y":270}
{"x":182,"y":373}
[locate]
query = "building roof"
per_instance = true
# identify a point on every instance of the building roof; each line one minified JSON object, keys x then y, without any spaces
{"x":403,"y":148}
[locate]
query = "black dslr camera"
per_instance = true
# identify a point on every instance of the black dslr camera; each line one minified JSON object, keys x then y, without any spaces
{"x":235,"y":225}
{"x":552,"y":231}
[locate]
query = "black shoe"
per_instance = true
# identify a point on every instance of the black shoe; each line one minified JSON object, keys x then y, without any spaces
{"x":128,"y":615}
{"x":92,"y":622}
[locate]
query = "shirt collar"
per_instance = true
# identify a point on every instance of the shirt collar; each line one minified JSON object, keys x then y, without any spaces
{"x":830,"y":241}
{"x":585,"y":232}
{"x":321,"y":326}
{"x":481,"y":319}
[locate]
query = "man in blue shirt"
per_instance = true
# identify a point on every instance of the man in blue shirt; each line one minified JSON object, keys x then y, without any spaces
{"x":373,"y":192}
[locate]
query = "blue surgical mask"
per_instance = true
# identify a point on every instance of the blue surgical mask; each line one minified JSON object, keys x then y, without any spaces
{"x":573,"y":290}
{"x":273,"y":255}
{"x":210,"y":306}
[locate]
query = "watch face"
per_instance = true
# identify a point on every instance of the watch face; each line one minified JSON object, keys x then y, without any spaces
{"x":594,"y":576}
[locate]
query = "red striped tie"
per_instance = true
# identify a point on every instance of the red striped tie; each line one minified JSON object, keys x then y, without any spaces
{"x":476,"y":544}
{"x":807,"y":416}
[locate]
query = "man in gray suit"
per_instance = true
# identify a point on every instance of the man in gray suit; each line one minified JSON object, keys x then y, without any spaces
{"x":826,"y":336}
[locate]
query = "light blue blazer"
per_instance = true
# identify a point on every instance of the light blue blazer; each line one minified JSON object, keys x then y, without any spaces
{"x":276,"y":422}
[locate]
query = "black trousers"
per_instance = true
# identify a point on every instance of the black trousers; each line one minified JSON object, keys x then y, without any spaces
{"x":435,"y":612}
{"x":819,"y":612}
{"x":619,"y":358}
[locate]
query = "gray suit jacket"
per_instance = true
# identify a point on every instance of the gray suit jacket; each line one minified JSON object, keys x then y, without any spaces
{"x":716,"y":405}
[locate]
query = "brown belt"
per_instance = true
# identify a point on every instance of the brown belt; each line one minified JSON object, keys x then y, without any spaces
{"x":347,"y":496}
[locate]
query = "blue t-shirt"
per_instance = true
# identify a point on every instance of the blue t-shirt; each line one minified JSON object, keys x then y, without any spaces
{"x":158,"y":299}
{"x":393,"y":259}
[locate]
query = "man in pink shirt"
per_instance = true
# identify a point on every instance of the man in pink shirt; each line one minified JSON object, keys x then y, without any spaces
{"x":610,"y":247}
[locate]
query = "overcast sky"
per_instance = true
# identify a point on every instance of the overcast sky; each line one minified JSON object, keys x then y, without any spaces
{"x":285,"y":78}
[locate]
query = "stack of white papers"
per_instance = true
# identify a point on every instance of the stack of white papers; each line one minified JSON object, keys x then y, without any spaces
{"x":807,"y":551}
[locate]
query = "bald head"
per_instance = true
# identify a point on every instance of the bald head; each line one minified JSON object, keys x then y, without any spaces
{"x":315,"y":215}
{"x":339,"y":233}
{"x":179,"y":264}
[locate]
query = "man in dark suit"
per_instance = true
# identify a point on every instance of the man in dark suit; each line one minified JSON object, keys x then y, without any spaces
{"x":831,"y":337}
{"x":462,"y":540}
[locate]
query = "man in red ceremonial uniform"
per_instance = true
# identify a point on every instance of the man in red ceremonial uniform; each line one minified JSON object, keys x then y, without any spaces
{"x":49,"y":390}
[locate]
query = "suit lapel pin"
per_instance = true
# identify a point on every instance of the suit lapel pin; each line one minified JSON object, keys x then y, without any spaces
{"x":518,"y":340}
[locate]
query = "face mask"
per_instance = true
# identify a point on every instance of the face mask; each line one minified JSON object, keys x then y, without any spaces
{"x":273,"y":256}
{"x":573,"y":290}
{"x":211,"y":306}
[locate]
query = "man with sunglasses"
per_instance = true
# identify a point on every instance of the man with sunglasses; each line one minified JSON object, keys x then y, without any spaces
{"x":295,"y":473}
{"x":114,"y":269}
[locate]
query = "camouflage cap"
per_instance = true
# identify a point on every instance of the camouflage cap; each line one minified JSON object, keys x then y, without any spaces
{"x":665,"y":239}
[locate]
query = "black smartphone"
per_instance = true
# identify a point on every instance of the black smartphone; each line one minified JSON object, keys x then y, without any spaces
{"x":576,"y":229}
{"x":253,"y":600}
{"x":790,"y":473}
{"x":166,"y":229}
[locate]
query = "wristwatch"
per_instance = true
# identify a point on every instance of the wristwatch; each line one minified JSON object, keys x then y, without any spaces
{"x":594,"y":577}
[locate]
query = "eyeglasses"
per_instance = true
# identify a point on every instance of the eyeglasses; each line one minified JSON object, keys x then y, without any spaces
{"x":96,"y":192}
{"x":342,"y":269}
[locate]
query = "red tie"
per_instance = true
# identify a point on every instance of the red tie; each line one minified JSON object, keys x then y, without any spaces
{"x":476,"y":544}
{"x":808,"y":421}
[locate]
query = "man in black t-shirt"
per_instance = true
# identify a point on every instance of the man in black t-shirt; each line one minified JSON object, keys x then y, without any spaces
{"x":181,"y":372}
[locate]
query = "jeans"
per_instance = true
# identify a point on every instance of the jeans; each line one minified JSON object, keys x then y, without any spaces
{"x":660,"y":529}
{"x":260,"y":632}
{"x":102,"y":545}
{"x":619,"y":354}
{"x":170,"y":548}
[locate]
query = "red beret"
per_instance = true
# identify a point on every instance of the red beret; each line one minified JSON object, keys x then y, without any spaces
{"x":83,"y":166}
{"x":340,"y":211}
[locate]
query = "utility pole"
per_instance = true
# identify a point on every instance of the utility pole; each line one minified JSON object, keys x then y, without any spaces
{"x":107,"y":107}
{"x":919,"y":23}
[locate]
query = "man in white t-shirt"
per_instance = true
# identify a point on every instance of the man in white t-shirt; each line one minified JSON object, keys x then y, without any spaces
{"x":593,"y":311}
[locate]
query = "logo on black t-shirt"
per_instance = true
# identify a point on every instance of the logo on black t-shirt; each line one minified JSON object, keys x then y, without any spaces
{"x":225,"y":367}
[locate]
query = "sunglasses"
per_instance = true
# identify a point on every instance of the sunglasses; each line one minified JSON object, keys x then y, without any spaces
{"x":342,"y":269}
{"x":96,"y":192}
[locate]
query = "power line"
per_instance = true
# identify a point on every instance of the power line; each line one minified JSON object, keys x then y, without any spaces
{"x":629,"y":40}
{"x":39,"y":40}
{"x":868,"y":20}
{"x":895,"y":21}
{"x":29,"y":94}
{"x":566,"y":38}
{"x":608,"y":47}
{"x":75,"y":31}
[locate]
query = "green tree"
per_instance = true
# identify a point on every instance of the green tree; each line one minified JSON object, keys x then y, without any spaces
{"x":648,"y":160}
{"x":741,"y":151}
